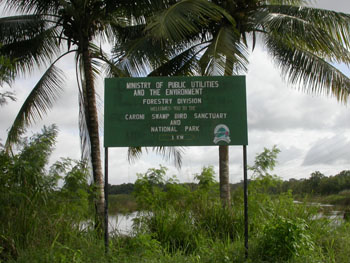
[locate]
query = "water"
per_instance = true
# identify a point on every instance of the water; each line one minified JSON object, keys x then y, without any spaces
{"x":121,"y":224}
{"x":327,"y":211}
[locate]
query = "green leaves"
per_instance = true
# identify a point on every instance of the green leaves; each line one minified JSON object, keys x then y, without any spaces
{"x":209,"y":37}
{"x":28,"y":40}
{"x":26,"y":168}
{"x":265,"y":161}
{"x":283,"y":239}
{"x":183,"y":19}
{"x":304,"y":42}
{"x":39,"y":101}
{"x":206,"y":178}
{"x":310,"y":72}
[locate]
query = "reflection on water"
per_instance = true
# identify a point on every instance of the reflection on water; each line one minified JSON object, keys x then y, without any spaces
{"x":326,"y":211}
{"x":121,"y":224}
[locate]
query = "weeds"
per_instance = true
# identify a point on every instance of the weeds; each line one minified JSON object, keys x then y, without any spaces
{"x":41,"y":222}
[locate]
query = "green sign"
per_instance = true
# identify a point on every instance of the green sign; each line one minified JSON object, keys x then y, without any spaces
{"x":175,"y":111}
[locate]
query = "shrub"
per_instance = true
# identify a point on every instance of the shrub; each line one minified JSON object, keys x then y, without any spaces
{"x":283,"y":239}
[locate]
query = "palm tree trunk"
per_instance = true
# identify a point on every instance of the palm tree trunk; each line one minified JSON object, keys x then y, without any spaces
{"x":92,"y":126}
{"x":224,"y":175}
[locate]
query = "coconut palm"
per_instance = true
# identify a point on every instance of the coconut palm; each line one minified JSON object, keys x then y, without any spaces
{"x":43,"y":33}
{"x":205,"y":37}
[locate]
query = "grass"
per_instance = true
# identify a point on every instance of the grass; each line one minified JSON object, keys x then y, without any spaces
{"x":41,"y":222}
{"x":203,"y":232}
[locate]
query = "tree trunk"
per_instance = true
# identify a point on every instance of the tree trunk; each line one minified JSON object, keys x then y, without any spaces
{"x":224,"y":176}
{"x":92,"y":126}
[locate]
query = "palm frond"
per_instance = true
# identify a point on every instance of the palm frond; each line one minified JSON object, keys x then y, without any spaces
{"x":316,"y":40}
{"x":5,"y":96}
{"x":171,"y":153}
{"x":28,"y":41}
{"x":184,"y":63}
{"x":20,"y":28}
{"x":183,"y":19}
{"x":134,"y":60}
{"x":137,"y":52}
{"x":85,"y":143}
{"x":110,"y":68}
{"x":36,"y":6}
{"x":225,"y":45}
{"x":134,"y":153}
{"x":286,"y":2}
{"x":335,"y":24}
{"x":38,"y":102}
{"x":309,"y":71}
{"x":168,"y":153}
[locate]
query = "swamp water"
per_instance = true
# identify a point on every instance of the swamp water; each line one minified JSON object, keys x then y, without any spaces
{"x":122,"y":223}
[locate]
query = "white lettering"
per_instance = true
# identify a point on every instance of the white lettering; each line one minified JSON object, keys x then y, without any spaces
{"x":138,"y":85}
{"x":134,"y":117}
{"x":189,"y":101}
{"x":157,"y":101}
{"x":163,"y":129}
{"x":155,"y":92}
{"x":180,"y":116}
{"x":192,"y":128}
{"x":160,"y":116}
{"x":175,"y":122}
{"x":160,"y":108}
{"x":176,"y":84}
{"x":139,"y":92}
{"x":207,"y":115}
{"x":204,"y":84}
{"x":183,"y":92}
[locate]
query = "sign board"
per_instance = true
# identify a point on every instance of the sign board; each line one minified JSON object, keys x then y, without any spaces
{"x":175,"y":111}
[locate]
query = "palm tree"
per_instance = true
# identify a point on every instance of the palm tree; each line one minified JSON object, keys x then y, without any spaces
{"x":44,"y":32}
{"x":214,"y":37}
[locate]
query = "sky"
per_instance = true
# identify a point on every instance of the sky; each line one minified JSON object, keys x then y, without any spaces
{"x":312,"y":131}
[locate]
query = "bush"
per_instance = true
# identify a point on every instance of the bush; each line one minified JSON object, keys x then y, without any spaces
{"x":35,"y":213}
{"x":283,"y":239}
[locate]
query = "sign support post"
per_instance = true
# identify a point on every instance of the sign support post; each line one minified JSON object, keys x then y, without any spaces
{"x":245,"y":193}
{"x":106,"y":236}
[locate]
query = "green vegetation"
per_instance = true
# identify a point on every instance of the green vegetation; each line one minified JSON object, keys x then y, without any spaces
{"x":319,"y":184}
{"x":45,"y":215}
{"x":122,"y":204}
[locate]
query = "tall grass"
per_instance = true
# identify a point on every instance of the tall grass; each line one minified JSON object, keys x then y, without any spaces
{"x":200,"y":229}
{"x":40,"y":222}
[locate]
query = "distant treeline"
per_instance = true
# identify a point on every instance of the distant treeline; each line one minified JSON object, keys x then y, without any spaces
{"x":129,"y":188}
{"x":317,"y":183}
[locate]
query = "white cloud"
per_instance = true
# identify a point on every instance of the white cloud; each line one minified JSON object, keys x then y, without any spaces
{"x":329,"y":150}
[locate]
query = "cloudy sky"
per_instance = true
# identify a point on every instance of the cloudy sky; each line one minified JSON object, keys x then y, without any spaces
{"x":312,"y":132}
